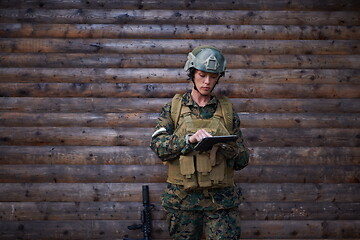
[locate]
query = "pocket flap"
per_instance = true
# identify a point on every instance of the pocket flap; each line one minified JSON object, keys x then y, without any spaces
{"x":203,"y":164}
{"x":187,"y":166}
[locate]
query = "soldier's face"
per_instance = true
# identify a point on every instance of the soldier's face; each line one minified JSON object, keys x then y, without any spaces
{"x":205,"y":81}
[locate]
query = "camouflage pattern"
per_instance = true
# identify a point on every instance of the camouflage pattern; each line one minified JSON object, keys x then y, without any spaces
{"x":222,"y":224}
{"x":175,"y":197}
{"x":169,"y":146}
{"x":189,"y":210}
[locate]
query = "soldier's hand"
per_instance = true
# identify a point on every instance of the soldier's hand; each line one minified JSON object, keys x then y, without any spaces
{"x":199,"y":135}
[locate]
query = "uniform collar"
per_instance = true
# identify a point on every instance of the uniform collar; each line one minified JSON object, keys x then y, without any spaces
{"x":187,"y":100}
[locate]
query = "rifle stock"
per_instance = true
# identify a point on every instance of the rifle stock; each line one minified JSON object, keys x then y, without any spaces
{"x":145,"y":217}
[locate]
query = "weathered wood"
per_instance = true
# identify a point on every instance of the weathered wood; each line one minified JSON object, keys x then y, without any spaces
{"x":302,"y":137}
{"x":158,"y":174}
{"x":61,"y":60}
{"x":78,"y":78}
{"x":193,"y":31}
{"x":124,"y":105}
{"x":299,"y":211}
{"x":163,"y":75}
{"x":20,"y":119}
{"x":83,"y":136}
{"x":114,"y":75}
{"x":151,"y":105}
{"x":78,"y":155}
{"x":57,"y":211}
{"x":117,"y":229}
{"x":88,"y":155}
{"x":76,"y":136}
{"x":156,"y":46}
{"x":305,"y":120}
{"x":248,"y":120}
{"x":124,"y":192}
{"x":305,"y":156}
{"x":168,"y":90}
{"x":329,"y":5}
{"x":25,"y":211}
{"x":206,"y":17}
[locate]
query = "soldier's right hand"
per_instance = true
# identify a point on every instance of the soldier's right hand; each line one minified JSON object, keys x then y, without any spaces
{"x":199,"y":135}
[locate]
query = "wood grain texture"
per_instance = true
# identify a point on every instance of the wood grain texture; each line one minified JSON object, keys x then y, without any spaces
{"x":157,"y":174}
{"x":248,"y":120}
{"x":82,"y":84}
{"x":207,"y":4}
{"x":58,"y":211}
{"x":106,"y":229}
{"x":151,"y":105}
{"x":65,"y":60}
{"x":174,"y":75}
{"x":125,"y":192}
{"x":123,"y":155}
{"x":168,"y":90}
{"x":180,"y":31}
{"x":261,"y":137}
{"x":178,"y":46}
{"x":206,"y":17}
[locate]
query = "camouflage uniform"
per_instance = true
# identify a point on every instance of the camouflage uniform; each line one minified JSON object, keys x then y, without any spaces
{"x":189,"y":211}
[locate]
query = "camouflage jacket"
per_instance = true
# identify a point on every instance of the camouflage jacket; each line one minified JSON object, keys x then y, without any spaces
{"x":169,"y":146}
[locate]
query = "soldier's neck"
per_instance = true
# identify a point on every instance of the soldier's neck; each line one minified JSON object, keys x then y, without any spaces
{"x":200,"y":99}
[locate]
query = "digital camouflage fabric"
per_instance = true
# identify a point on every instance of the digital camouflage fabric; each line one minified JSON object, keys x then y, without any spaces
{"x":169,"y":147}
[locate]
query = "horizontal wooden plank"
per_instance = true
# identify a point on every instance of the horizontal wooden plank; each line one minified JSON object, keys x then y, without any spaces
{"x":168,"y":90}
{"x":124,"y":192}
{"x":117,"y":229}
{"x":170,"y":46}
{"x":207,"y":4}
{"x":304,"y":120}
{"x":316,"y":137}
{"x":120,"y":16}
{"x":262,"y":137}
{"x":59,"y":211}
{"x":20,"y":119}
{"x":77,"y":155}
{"x":299,"y":211}
{"x":151,"y":105}
{"x":89,"y":155}
{"x":248,"y":120}
{"x":158,"y":173}
{"x":178,"y":31}
{"x":61,"y":60}
{"x":55,"y":211}
{"x":177,"y":75}
{"x":76,"y":136}
{"x":82,"y":104}
{"x":304,"y":156}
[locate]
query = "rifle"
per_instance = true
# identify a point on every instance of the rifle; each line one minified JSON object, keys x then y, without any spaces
{"x":145,"y":216}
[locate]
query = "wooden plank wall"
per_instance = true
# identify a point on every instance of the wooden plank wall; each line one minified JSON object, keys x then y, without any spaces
{"x":82,"y":82}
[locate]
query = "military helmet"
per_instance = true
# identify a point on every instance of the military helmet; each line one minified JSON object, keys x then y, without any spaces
{"x":206,"y":59}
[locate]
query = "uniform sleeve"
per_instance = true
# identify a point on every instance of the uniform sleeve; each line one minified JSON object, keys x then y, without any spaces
{"x":164,"y":142}
{"x":236,"y":154}
{"x":241,"y":159}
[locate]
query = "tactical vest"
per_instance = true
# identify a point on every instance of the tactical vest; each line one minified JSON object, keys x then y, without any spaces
{"x":201,"y":170}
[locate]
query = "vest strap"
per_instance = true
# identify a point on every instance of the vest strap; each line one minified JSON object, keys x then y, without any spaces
{"x":227,"y":112}
{"x":176,"y":108}
{"x":225,"y":104}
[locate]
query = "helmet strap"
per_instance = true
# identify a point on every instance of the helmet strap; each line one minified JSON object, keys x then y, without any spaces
{"x":196,"y":87}
{"x":217,"y":81}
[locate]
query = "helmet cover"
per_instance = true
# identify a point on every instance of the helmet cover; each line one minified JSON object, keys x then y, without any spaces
{"x":206,"y":59}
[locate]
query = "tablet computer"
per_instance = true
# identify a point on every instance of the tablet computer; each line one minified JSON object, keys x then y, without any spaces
{"x":207,"y":143}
